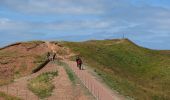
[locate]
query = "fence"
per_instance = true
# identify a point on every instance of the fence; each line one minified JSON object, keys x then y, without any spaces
{"x":20,"y":93}
{"x":19,"y":89}
{"x":27,"y":95}
{"x":95,"y":87}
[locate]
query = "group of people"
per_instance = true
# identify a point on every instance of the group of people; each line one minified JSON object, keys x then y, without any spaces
{"x":51,"y":56}
{"x":79,"y":63}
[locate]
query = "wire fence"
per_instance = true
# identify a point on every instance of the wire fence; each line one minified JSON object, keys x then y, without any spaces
{"x":21,"y":90}
{"x":14,"y":90}
{"x":25,"y":94}
{"x":95,"y":87}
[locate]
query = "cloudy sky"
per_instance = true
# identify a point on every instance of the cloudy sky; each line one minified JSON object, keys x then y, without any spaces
{"x":145,"y":22}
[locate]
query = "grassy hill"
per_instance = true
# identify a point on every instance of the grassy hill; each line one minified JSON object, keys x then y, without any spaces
{"x":134,"y":71}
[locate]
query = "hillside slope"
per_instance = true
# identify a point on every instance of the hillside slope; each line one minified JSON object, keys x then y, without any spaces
{"x":140,"y":73}
{"x":19,"y":59}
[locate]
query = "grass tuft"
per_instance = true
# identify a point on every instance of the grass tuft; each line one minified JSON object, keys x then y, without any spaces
{"x":8,"y":97}
{"x":42,"y":85}
{"x":69,"y":71}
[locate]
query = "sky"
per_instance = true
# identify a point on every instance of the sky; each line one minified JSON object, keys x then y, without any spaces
{"x":145,"y":22}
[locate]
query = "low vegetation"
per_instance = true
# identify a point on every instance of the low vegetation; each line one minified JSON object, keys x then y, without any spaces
{"x":40,"y":59}
{"x":8,"y":54}
{"x":42,"y":85}
{"x":133,"y":71}
{"x":36,"y":42}
{"x":40,"y":62}
{"x":19,"y":59}
{"x":69,"y":72}
{"x":8,"y":97}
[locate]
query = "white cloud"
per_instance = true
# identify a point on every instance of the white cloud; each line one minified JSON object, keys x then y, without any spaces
{"x":101,"y":18}
{"x":4,"y":20}
{"x":55,"y":6}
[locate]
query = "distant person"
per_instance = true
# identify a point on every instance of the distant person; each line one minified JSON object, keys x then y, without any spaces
{"x":51,"y":55}
{"x":48,"y":55}
{"x":54,"y":55}
{"x":79,"y":63}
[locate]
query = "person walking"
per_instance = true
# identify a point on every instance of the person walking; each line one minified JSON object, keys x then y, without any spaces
{"x":54,"y":55}
{"x":48,"y":55}
{"x":79,"y":63}
{"x":77,"y":59}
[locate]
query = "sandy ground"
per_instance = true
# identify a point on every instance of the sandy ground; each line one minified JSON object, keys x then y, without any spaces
{"x":64,"y":89}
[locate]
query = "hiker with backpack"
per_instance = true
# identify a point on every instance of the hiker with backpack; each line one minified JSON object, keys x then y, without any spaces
{"x":79,"y":63}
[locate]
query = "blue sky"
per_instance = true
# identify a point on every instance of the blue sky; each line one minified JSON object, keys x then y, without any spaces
{"x":145,"y":22}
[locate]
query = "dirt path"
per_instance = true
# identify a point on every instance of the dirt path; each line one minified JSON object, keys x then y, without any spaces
{"x":98,"y":89}
{"x":95,"y":87}
{"x":19,"y":86}
{"x":64,"y":89}
{"x":51,"y":46}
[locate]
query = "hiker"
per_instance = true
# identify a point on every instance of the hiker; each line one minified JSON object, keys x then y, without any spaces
{"x":48,"y":55}
{"x":79,"y":63}
{"x":54,"y":55}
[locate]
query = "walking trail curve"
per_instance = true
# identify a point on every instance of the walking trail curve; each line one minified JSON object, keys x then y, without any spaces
{"x":64,"y":89}
{"x":98,"y":89}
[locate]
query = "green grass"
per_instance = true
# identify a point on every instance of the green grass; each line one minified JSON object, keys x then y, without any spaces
{"x":69,"y":71}
{"x":8,"y":97}
{"x":42,"y":85}
{"x":40,"y":59}
{"x":35,"y":42}
{"x":134,"y":71}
